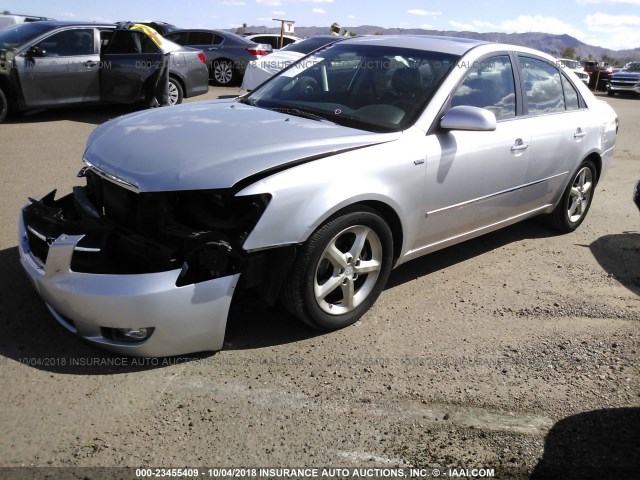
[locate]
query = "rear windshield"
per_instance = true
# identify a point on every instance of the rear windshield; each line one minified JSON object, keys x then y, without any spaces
{"x":18,"y":35}
{"x":309,"y":45}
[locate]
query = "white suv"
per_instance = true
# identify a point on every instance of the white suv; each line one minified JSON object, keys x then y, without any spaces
{"x":6,"y":20}
{"x":576,"y":67}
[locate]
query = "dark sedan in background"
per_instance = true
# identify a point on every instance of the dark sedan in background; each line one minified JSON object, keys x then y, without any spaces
{"x":227,"y":54}
{"x":50,"y":63}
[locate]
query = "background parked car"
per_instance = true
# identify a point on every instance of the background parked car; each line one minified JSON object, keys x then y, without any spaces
{"x":227,"y":54}
{"x":260,"y":70}
{"x":6,"y":20}
{"x":50,"y":63}
{"x":576,"y":67}
{"x":163,"y":28}
{"x":626,"y":80}
{"x":272,"y":39}
{"x":599,"y":72}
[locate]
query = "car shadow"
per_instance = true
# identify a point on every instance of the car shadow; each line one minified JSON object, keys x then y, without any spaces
{"x":619,"y":256}
{"x":464,"y":251}
{"x":94,"y":114}
{"x":601,"y":444}
{"x":250,"y":328}
{"x":31,"y":335}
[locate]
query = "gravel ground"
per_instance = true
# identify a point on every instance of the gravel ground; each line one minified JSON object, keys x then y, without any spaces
{"x":517,"y":351}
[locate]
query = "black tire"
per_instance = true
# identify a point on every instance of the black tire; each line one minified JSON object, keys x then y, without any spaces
{"x":4,"y":106}
{"x":576,"y":199}
{"x":223,"y":73}
{"x":176,"y":94}
{"x":345,"y":272}
{"x":610,"y":93}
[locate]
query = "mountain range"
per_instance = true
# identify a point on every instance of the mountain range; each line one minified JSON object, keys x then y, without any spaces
{"x":556,"y":45}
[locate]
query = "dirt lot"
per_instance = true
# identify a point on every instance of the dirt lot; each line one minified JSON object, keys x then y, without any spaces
{"x":516,"y":352}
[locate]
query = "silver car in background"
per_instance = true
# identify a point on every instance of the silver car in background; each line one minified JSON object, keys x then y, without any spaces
{"x":52,"y":64}
{"x":227,"y":54}
{"x":382,"y":150}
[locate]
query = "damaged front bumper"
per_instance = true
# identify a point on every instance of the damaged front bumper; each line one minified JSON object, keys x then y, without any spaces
{"x":184,"y":319}
{"x":139,"y":274}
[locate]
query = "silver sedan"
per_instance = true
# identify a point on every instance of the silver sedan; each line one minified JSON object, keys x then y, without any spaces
{"x":370,"y":153}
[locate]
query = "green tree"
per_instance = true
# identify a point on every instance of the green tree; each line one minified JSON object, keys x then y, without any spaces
{"x":242,"y":30}
{"x":568,"y":52}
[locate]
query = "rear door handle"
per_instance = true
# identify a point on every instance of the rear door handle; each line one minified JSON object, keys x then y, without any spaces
{"x":579,"y":133}
{"x":519,"y":146}
{"x":90,"y":63}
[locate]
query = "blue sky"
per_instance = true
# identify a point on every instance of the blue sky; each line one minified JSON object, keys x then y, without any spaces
{"x":608,"y":23}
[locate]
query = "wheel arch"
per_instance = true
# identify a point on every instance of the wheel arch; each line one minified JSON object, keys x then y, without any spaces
{"x":389,"y":215}
{"x":597,"y":161}
{"x":180,"y":80}
{"x":14,"y":98}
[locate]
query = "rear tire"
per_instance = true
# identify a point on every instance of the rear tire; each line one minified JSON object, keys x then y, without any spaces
{"x":175,"y":92}
{"x":223,"y":73}
{"x":576,"y":199}
{"x":4,"y":106}
{"x":340,"y":271}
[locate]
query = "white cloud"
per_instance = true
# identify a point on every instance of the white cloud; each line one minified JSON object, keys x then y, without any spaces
{"x":475,"y":25}
{"x":318,"y":11}
{"x":270,"y":3}
{"x":67,"y":15}
{"x":538,"y":23}
{"x":351,"y":17}
{"x":417,"y":11}
{"x":426,"y":26}
{"x":279,"y":12}
{"x":233,"y":3}
{"x":618,"y":32}
{"x":604,"y":22}
{"x":99,"y":19}
{"x":522,"y":24}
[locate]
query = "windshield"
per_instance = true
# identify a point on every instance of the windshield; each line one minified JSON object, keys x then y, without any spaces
{"x":310,"y":44}
{"x":18,"y":35}
{"x":632,"y":67}
{"x":573,"y":64}
{"x":371,"y":87}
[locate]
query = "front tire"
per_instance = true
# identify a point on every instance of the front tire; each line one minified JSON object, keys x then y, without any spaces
{"x":175,"y":92}
{"x":223,"y":73}
{"x":576,"y":199}
{"x":340,"y":271}
{"x":4,"y":106}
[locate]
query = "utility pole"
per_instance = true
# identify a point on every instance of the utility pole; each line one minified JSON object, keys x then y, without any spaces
{"x":282,"y":24}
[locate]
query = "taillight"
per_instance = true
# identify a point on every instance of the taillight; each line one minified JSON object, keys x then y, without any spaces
{"x":202,"y":58}
{"x":256,"y":52}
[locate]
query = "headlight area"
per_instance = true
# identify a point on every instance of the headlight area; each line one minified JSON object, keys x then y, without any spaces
{"x":125,"y":232}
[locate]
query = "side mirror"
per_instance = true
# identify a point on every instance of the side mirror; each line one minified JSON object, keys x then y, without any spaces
{"x":465,"y":117}
{"x":36,"y":51}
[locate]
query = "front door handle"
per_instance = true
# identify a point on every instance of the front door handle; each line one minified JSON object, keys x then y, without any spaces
{"x":519,"y":146}
{"x":90,"y":63}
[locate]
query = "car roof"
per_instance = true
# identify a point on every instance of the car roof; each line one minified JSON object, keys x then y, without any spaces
{"x":75,"y":23}
{"x":450,"y":45}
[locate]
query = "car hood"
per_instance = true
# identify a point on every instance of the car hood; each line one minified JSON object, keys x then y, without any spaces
{"x":625,"y":75}
{"x":211,"y":145}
